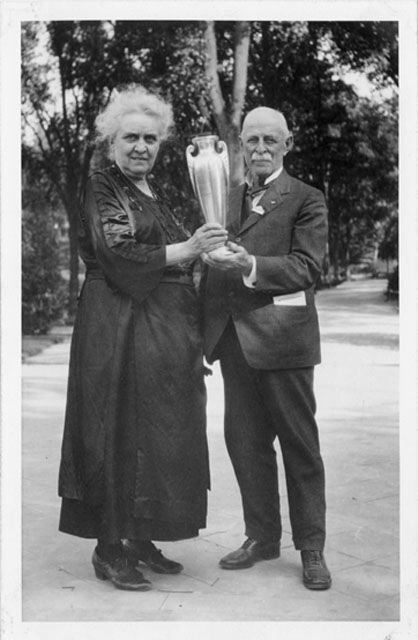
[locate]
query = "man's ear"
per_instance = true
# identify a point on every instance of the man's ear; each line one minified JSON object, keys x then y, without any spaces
{"x":289,"y":144}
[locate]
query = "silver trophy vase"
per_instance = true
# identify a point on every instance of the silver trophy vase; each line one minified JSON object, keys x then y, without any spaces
{"x":207,"y":160}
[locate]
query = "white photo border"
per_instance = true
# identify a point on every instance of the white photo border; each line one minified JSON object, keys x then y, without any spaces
{"x":13,"y":13}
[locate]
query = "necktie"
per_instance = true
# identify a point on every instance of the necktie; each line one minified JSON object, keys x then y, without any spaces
{"x":251,"y":196}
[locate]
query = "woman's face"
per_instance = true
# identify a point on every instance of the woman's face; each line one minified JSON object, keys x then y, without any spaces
{"x":136,"y":144}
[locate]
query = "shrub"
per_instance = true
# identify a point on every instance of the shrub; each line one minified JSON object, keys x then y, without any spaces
{"x":392,"y":290}
{"x":44,"y":291}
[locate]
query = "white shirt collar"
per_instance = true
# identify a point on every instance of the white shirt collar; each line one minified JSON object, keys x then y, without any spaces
{"x":273,"y":176}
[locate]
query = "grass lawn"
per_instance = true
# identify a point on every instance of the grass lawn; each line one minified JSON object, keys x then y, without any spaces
{"x":32,"y":345}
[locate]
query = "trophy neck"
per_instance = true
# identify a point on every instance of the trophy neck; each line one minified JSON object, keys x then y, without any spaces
{"x":205,"y":142}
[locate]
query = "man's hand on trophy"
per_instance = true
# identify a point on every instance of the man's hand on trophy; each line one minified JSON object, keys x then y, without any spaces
{"x":235,"y":257}
{"x":206,"y":238}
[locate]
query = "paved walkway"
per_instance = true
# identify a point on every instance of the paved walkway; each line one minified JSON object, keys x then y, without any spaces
{"x":356,"y":390}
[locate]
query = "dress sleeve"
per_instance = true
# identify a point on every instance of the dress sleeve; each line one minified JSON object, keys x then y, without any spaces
{"x":131,"y":266}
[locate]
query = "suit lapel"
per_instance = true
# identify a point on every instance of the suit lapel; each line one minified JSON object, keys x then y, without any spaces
{"x":236,"y":203}
{"x":270,"y":201}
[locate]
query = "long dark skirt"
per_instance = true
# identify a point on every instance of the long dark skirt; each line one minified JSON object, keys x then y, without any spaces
{"x":134,"y":456}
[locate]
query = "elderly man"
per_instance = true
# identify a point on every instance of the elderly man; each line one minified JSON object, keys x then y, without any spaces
{"x":261,"y":322}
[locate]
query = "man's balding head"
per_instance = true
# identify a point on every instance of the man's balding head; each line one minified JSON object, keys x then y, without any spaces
{"x":265,"y":140}
{"x":265,"y":115}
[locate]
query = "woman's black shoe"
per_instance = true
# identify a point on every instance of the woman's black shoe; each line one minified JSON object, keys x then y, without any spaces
{"x":121,"y":572}
{"x":147,"y":553}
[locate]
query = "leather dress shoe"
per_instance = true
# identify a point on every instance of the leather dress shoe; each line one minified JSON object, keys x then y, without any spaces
{"x":315,"y":571}
{"x":147,"y":553}
{"x":121,"y":572}
{"x":249,"y":553}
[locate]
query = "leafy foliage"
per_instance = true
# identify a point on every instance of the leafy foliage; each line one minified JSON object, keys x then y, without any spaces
{"x":388,"y":249}
{"x":345,"y":145}
{"x":44,"y":291}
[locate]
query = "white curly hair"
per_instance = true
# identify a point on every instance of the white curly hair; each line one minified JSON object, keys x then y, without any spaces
{"x":133,"y":99}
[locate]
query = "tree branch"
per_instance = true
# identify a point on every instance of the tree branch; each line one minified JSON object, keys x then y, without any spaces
{"x":211,"y":70}
{"x":45,"y":126}
{"x":71,"y":179}
{"x":48,"y":160}
{"x":77,"y":114}
{"x":239,"y":85}
{"x":85,"y":166}
{"x":55,"y":128}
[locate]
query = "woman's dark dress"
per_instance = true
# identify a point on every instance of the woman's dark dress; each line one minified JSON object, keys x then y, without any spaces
{"x":134,"y":455}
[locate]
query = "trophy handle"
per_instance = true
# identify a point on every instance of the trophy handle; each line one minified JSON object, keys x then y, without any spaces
{"x":222,"y":149}
{"x":189,"y":157}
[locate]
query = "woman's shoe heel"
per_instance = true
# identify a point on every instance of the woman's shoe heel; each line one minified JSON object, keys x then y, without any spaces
{"x":120,"y":572}
{"x":99,"y":574}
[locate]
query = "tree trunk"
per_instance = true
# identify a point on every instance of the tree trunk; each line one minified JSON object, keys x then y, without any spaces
{"x":236,"y":161}
{"x":335,"y":269}
{"x":375,"y":257}
{"x":74,"y":266}
{"x":229,"y":123}
{"x":334,"y":260}
{"x":325,"y":277}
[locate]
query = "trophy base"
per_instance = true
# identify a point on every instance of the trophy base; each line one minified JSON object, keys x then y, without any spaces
{"x":220,"y":252}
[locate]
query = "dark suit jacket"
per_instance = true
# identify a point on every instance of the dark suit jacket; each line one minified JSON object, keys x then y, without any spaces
{"x":289,"y":242}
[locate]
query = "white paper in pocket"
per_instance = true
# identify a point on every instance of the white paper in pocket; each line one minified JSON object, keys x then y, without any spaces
{"x":297,"y":299}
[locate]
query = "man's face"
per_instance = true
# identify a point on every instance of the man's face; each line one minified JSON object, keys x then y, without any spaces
{"x":264,"y":144}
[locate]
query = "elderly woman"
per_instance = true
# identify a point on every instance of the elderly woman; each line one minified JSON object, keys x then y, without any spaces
{"x":134,"y":464}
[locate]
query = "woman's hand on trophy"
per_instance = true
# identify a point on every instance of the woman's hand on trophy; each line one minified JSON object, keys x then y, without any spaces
{"x":206,"y":238}
{"x":209,"y":237}
{"x":235,"y":258}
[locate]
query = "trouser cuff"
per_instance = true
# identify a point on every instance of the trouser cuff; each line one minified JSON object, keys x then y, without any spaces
{"x":261,"y":536}
{"x":310,"y":545}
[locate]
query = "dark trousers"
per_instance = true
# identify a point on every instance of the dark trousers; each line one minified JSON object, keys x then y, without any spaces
{"x":260,"y":405}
